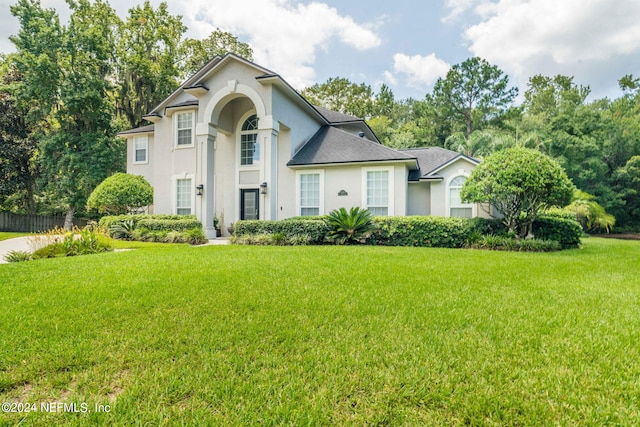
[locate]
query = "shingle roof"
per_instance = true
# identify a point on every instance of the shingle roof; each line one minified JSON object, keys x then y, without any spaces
{"x":192,"y":102}
{"x":333,"y":145}
{"x":336,"y":117}
{"x":143,"y":129}
{"x":430,"y":159}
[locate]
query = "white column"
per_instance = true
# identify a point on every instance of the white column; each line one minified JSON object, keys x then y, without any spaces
{"x":206,"y":137}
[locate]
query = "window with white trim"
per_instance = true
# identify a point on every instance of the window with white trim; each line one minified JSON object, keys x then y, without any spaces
{"x":309,"y":194}
{"x":183,"y":196}
{"x":456,"y":207}
{"x":184,"y":129}
{"x":377,"y":188}
{"x":140,"y":149}
{"x":249,"y":147}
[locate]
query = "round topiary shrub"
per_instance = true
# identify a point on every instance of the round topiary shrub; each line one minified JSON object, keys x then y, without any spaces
{"x":121,"y":193}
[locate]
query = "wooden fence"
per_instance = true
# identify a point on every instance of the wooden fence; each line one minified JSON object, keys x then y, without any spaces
{"x":34,"y":223}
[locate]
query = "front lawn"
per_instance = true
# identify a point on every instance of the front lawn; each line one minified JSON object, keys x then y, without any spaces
{"x":242,"y":335}
{"x":5,"y":235}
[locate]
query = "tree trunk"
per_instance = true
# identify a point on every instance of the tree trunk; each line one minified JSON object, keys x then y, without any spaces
{"x":68,"y":219}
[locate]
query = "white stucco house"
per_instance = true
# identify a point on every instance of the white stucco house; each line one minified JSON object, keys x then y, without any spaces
{"x":236,"y":141}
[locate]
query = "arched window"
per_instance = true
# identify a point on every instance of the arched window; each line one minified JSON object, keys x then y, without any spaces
{"x":249,"y":148}
{"x":456,"y":207}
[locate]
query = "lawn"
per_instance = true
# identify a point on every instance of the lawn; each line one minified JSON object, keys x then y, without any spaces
{"x":237,"y":335}
{"x":4,"y":235}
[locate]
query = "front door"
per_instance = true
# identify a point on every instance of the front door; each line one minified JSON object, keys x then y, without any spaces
{"x":250,"y":204}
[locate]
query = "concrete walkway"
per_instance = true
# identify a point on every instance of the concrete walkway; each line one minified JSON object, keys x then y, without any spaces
{"x":15,"y":244}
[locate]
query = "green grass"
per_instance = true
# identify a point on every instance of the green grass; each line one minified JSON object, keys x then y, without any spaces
{"x":4,"y":235}
{"x":237,"y":335}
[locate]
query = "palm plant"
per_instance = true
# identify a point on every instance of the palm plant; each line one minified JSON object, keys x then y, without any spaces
{"x":590,"y":213}
{"x":348,"y":227}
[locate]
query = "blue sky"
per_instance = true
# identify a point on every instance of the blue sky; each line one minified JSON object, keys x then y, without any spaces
{"x":408,"y":44}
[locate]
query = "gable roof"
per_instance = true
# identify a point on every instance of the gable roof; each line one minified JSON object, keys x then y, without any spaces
{"x":331,"y":145}
{"x":143,"y":129}
{"x":431,"y":160}
{"x":335,"y":117}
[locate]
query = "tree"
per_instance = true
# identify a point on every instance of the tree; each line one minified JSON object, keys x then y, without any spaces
{"x":18,"y":146}
{"x":627,"y":184}
{"x":589,"y":213}
{"x":472,"y":94}
{"x":197,"y":53}
{"x":519,"y":182}
{"x":121,"y":193}
{"x":147,"y":70}
{"x":80,"y":149}
{"x":341,"y":95}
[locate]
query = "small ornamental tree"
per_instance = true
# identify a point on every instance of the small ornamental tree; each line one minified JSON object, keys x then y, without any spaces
{"x":121,"y":193}
{"x":519,"y":182}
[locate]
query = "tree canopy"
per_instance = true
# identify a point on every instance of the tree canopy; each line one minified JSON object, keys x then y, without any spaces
{"x":121,"y":193}
{"x":519,"y":182}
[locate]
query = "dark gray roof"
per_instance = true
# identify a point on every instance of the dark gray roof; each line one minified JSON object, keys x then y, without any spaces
{"x":333,"y":145}
{"x":143,"y":129}
{"x":430,"y":159}
{"x":336,"y":117}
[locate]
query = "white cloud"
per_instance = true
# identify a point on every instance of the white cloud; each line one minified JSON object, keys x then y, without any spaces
{"x":525,"y":37}
{"x":457,"y":8}
{"x":419,"y":71}
{"x":284,"y":35}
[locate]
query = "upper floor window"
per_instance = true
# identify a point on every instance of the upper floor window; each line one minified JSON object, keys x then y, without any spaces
{"x":140,"y":149}
{"x":249,"y":146}
{"x":456,"y":207}
{"x":184,"y":129}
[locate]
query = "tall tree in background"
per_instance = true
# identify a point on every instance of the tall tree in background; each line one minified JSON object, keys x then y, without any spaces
{"x":147,"y":69}
{"x":80,"y":150}
{"x":18,"y":146}
{"x":341,"y":95}
{"x":197,"y":53}
{"x":472,"y":94}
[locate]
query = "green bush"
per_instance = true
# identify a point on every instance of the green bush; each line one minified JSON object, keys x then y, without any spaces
{"x":352,"y":226}
{"x":567,"y":232}
{"x":502,"y":243}
{"x":107,"y":221}
{"x":181,"y":224}
{"x":17,"y":256}
{"x":314,"y":231}
{"x":83,"y":242}
{"x":121,"y":193}
{"x":426,"y":231}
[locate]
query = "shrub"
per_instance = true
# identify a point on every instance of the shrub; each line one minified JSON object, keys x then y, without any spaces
{"x":122,"y":230}
{"x":121,"y":193}
{"x":313,"y":230}
{"x":566,"y":232}
{"x":181,"y":224}
{"x":107,"y":221}
{"x":17,"y":256}
{"x":502,"y":243}
{"x":195,"y":236}
{"x":426,"y":231}
{"x":353,"y":226}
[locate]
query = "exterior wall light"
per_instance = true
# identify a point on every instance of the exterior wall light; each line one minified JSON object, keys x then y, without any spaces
{"x":263,"y":188}
{"x":199,"y":188}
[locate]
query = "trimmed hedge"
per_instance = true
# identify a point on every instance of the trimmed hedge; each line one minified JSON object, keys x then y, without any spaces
{"x":109,"y":220}
{"x":314,"y":229}
{"x":169,"y":224}
{"x":567,"y":232}
{"x":425,"y":231}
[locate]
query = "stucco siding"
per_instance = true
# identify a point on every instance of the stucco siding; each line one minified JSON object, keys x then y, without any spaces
{"x":419,"y":198}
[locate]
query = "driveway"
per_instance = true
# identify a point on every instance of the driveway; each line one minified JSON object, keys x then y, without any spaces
{"x":15,"y":244}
